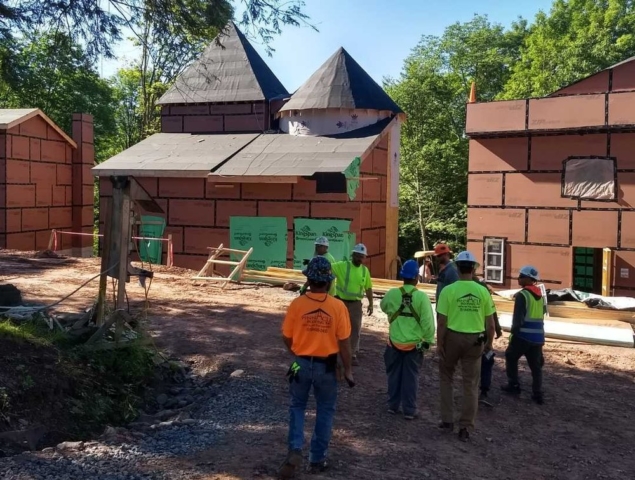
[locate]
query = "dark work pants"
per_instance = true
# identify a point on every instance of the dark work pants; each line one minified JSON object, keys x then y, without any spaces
{"x":533,"y":353}
{"x":486,"y":373}
{"x":402,"y":368}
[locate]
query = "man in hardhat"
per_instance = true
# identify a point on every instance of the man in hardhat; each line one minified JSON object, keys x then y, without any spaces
{"x":321,"y":250}
{"x":352,"y":281}
{"x":448,"y":273}
{"x":411,"y":333}
{"x":527,"y":334}
{"x":316,"y":329}
{"x":465,"y":325}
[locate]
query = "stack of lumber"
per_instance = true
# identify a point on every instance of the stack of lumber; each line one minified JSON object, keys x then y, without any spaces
{"x":569,"y":310}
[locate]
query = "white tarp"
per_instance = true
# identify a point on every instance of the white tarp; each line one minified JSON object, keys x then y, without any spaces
{"x":589,"y":178}
{"x":590,"y":299}
{"x":576,"y":332}
{"x":329,"y":122}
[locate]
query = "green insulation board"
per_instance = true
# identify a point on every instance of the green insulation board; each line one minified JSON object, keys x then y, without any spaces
{"x":352,"y":178}
{"x":151,"y":227}
{"x":267,"y":236}
{"x":307,"y":230}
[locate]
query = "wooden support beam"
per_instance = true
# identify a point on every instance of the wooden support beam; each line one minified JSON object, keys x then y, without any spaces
{"x":251,"y":179}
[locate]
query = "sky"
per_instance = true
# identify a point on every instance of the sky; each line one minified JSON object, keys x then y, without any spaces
{"x":379,"y":34}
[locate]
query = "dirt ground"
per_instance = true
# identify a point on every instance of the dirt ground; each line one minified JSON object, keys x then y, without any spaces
{"x":586,"y":429}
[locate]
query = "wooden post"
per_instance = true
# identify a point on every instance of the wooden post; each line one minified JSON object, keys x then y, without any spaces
{"x":607,"y":271}
{"x":52,"y":240}
{"x":121,"y":191}
{"x":170,"y":259}
{"x":105,"y":262}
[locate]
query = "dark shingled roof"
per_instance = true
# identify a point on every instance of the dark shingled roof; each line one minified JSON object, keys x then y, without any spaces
{"x":231,"y":71}
{"x":341,"y":83}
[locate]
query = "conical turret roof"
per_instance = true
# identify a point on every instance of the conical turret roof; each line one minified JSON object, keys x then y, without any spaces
{"x":341,"y":83}
{"x":229,"y":70}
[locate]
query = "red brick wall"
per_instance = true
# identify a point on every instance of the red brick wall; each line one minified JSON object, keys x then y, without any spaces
{"x":514,"y":192}
{"x":205,"y":118}
{"x":198,"y":212}
{"x":35,"y":185}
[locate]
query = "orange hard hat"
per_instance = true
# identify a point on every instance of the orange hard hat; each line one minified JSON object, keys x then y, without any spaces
{"x":441,"y":249}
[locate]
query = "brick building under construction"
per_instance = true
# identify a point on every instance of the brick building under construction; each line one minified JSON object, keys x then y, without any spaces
{"x":552,"y":183}
{"x":242,"y":162}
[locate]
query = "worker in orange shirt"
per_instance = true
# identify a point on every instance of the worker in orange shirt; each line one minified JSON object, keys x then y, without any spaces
{"x":316,"y":329}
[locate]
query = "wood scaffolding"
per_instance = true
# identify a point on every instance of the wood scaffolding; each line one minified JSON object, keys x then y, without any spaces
{"x":209,"y":273}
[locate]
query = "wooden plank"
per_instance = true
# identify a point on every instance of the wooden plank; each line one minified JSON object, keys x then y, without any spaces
{"x":607,"y":263}
{"x":252,"y":179}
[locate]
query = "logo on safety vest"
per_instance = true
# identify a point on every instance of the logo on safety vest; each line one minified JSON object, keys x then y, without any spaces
{"x":469,"y":303}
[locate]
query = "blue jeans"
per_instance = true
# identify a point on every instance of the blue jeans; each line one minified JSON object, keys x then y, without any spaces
{"x":402,"y":369}
{"x":312,"y":374}
{"x":486,"y":373}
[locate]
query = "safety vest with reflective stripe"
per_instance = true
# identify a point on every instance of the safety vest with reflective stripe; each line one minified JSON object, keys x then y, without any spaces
{"x":342,"y":290}
{"x":533,"y":326}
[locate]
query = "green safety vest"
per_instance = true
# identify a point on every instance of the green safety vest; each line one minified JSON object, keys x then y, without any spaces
{"x":533,"y":327}
{"x":343,"y":289}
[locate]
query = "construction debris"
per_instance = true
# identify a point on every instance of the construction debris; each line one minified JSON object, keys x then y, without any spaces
{"x":209,"y":273}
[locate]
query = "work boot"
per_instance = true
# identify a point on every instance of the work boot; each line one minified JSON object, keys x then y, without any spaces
{"x":511,"y":388}
{"x":484,"y":399}
{"x":317,"y":467}
{"x":446,"y":426}
{"x":290,"y":464}
{"x":411,"y":416}
{"x":464,"y":435}
{"x":538,"y":398}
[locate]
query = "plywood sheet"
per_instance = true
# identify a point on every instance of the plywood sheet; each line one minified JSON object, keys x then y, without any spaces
{"x":549,"y":226}
{"x":598,"y":83}
{"x":623,"y":148}
{"x":566,"y":112}
{"x":485,"y":189}
{"x":497,"y":154}
{"x":624,"y":271}
{"x":496,"y":222}
{"x":535,"y":190}
{"x":595,"y":229}
{"x":508,"y":116}
{"x":624,"y":77}
{"x":621,"y":111}
{"x":553,"y":263}
{"x":547,"y":153}
{"x":628,"y":230}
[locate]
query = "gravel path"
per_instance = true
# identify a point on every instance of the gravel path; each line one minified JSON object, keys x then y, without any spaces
{"x":143,"y":451}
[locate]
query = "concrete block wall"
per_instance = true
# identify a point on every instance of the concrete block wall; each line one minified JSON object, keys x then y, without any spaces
{"x":83,"y":184}
{"x":215,"y":118}
{"x":36,"y":182}
{"x":198,"y":212}
{"x":514,"y":192}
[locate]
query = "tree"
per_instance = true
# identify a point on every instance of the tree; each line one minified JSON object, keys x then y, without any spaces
{"x":576,"y":39}
{"x":99,"y":27}
{"x":433,"y":90}
{"x":54,"y":74}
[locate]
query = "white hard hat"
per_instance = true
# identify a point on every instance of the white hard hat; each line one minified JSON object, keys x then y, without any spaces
{"x":466,"y":257}
{"x":529,"y":271}
{"x":322,"y":241}
{"x":361,"y":249}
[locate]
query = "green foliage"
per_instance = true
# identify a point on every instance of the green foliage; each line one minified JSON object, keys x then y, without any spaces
{"x":106,"y":386}
{"x":576,"y":39}
{"x":55,"y":75}
{"x":432,"y":90}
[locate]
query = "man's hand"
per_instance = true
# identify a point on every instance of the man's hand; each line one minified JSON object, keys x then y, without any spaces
{"x":488,"y":347}
{"x":348,"y":375}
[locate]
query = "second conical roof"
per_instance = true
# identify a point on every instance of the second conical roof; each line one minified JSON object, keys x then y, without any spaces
{"x":341,"y":83}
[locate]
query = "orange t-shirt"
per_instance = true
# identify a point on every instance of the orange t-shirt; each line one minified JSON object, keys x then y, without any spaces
{"x":316,"y":322}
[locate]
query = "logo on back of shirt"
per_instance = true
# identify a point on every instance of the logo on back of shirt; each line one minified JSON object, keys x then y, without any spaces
{"x":469,"y":303}
{"x":317,"y":321}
